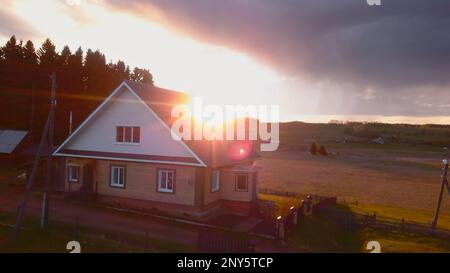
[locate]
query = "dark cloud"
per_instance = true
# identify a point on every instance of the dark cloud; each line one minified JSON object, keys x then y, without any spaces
{"x":13,"y":25}
{"x":392,"y":49}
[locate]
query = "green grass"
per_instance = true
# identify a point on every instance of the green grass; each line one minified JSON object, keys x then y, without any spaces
{"x":321,"y":234}
{"x":410,"y":215}
{"x":405,"y":243}
{"x":283,"y":203}
{"x":32,"y":239}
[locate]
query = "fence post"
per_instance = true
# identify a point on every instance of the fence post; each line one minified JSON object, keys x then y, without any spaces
{"x":307,"y":206}
{"x":294,"y":213}
{"x":279,"y":229}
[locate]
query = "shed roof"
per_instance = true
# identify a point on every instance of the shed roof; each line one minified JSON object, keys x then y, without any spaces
{"x":10,"y":139}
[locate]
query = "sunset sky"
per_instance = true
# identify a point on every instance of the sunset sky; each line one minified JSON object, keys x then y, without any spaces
{"x":318,"y":60}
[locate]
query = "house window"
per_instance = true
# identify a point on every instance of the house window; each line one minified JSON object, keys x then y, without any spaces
{"x":73,"y":173}
{"x":128,"y":134}
{"x":117,"y":176}
{"x":166,"y":181}
{"x":241,"y":182}
{"x":215,"y":182}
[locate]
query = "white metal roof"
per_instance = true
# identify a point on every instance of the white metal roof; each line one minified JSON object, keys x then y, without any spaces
{"x":9,"y":139}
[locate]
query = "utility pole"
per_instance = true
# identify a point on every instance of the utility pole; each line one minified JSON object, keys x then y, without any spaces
{"x":70,"y":122}
{"x":441,"y":192}
{"x":32,"y":108}
{"x":48,"y":181}
{"x":44,"y":143}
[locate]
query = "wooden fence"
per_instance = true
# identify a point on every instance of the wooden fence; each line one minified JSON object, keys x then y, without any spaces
{"x":351,"y":220}
{"x":279,"y":192}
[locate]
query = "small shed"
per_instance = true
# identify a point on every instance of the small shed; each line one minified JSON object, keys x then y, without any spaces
{"x":12,"y":142}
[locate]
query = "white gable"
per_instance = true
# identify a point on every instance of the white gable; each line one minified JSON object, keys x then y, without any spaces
{"x":98,"y":133}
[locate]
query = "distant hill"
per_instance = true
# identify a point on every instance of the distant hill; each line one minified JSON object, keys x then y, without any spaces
{"x":301,"y":134}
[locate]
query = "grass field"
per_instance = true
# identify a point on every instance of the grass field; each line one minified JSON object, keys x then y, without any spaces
{"x":321,"y":234}
{"x":398,"y":180}
{"x":55,"y":238}
{"x":387,"y":175}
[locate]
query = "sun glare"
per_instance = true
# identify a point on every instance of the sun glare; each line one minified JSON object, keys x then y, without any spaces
{"x":216,"y":74}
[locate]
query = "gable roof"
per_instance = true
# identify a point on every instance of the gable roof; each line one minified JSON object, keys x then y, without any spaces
{"x":159,"y":102}
{"x":10,"y":139}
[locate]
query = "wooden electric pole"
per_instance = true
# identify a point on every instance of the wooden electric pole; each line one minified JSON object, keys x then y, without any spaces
{"x":44,"y":145}
{"x":48,"y":181}
{"x":444,"y":184}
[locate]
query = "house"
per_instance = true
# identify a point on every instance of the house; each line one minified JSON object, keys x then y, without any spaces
{"x":124,"y":154}
{"x":12,"y":142}
{"x":378,"y":140}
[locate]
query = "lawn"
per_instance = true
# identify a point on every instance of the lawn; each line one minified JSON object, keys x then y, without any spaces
{"x":283,"y":203}
{"x":410,"y":215}
{"x":404,"y":243}
{"x":410,"y":181}
{"x":32,"y":239}
{"x":321,"y":234}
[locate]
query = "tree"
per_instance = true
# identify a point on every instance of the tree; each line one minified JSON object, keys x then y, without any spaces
{"x":29,"y":54}
{"x":142,"y":75}
{"x":12,"y":59}
{"x":12,"y":51}
{"x":323,"y":151}
{"x":313,"y":148}
{"x":47,"y":57}
{"x":83,"y":80}
{"x":30,"y":65}
{"x":63,"y":58}
{"x":75,"y":70}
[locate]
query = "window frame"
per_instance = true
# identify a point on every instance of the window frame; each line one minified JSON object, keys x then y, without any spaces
{"x":115,"y":185}
{"x":213,"y":179}
{"x":158,"y":176}
{"x":123,"y":142}
{"x":236,"y":188}
{"x":69,"y":178}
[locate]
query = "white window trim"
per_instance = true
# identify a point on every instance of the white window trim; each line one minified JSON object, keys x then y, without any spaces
{"x":128,"y":143}
{"x":247,"y":182}
{"x":69,"y":176}
{"x":166,"y":190}
{"x":215,"y":179}
{"x":111,"y":182}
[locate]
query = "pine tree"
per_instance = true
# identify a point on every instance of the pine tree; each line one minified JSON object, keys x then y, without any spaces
{"x":23,"y":68}
{"x":12,"y":51}
{"x":63,"y":58}
{"x":47,"y":57}
{"x":75,"y":70}
{"x":29,"y":54}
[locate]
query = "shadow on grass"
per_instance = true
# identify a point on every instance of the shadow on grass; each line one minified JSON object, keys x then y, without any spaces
{"x":323,"y":233}
{"x":33,"y":239}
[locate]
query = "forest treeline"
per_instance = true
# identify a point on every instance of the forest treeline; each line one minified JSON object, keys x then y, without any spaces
{"x":84,"y":79}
